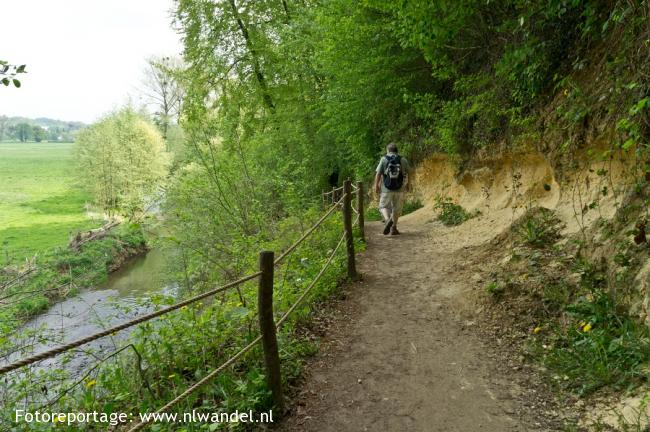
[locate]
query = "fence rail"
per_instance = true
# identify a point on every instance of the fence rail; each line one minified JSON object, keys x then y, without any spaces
{"x":67,"y":347}
{"x":265,"y":301}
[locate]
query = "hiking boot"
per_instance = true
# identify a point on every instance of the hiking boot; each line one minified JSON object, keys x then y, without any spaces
{"x":393,"y":231}
{"x":388,"y":226}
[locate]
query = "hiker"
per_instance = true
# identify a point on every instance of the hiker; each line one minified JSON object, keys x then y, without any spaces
{"x":390,"y":183}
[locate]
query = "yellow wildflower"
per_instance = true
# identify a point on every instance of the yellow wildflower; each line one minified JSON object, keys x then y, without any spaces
{"x":91,"y":384}
{"x":586,"y":327}
{"x":537,"y":330}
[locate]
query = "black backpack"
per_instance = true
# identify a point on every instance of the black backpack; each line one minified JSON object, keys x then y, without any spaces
{"x":393,"y":175}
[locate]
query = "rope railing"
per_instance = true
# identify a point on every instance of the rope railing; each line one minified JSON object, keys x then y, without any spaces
{"x":333,"y":190}
{"x":272,"y":359}
{"x":308,"y":232}
{"x":265,"y":298}
{"x":328,"y":198}
{"x":200,"y":383}
{"x":248,"y":347}
{"x":66,"y":347}
{"x":82,"y":341}
{"x":311,"y":285}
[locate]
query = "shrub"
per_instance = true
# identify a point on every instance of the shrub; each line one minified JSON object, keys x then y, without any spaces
{"x":451,"y":213}
{"x":412,"y":205}
{"x":601,"y":346}
{"x":539,"y":227}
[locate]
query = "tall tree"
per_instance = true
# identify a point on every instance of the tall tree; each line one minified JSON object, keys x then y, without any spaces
{"x":4,"y":124}
{"x":38,"y":133}
{"x":163,"y":91}
{"x":122,"y":159}
{"x":24,"y":132}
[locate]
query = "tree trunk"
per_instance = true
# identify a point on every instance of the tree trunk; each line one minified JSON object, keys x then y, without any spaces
{"x":268,"y":101}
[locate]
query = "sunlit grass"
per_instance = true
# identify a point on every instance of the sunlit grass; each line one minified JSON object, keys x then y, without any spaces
{"x":40,"y":205}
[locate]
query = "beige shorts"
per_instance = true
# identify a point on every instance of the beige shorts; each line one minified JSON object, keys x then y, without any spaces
{"x":392,"y":201}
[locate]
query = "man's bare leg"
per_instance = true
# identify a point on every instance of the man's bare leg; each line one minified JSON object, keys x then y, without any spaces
{"x":386,"y":214}
{"x":396,"y":210}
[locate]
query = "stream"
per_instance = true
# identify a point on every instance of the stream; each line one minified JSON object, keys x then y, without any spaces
{"x":121,"y":297}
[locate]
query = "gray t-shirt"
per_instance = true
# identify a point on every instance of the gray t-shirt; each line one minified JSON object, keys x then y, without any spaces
{"x":406,"y":169}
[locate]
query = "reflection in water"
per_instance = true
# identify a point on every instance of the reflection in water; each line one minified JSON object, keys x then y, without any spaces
{"x":141,"y":275}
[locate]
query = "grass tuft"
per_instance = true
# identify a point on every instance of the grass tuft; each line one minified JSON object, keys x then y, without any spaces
{"x":539,"y":227}
{"x":450,"y":213}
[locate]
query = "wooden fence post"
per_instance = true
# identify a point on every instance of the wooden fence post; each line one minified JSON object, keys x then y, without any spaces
{"x":360,"y":205}
{"x":267,"y":328}
{"x":347,"y":224}
{"x":333,"y":194}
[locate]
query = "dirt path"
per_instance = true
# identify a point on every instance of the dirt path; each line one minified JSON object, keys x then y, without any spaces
{"x":400,"y":358}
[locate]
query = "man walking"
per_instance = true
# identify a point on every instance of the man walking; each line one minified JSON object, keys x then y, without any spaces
{"x":390,"y":182}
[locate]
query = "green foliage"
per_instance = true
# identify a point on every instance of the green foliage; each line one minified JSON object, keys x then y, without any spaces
{"x":163,"y":90}
{"x":282,"y":98}
{"x":556,"y":295}
{"x":495,"y":289}
{"x":450,"y":213}
{"x":122,"y":159}
{"x":8,"y":73}
{"x":22,"y":129}
{"x":412,"y":205}
{"x":60,"y":272}
{"x":539,"y":227}
{"x":171,"y":361}
{"x":373,"y":214}
{"x":600,"y":346}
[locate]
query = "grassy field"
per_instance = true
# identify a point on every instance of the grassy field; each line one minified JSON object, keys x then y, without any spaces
{"x":39,"y":204}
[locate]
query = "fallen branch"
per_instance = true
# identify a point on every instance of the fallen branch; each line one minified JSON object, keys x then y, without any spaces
{"x":88,"y":236}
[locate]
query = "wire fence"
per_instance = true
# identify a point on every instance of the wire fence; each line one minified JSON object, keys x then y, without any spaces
{"x":344,"y":201}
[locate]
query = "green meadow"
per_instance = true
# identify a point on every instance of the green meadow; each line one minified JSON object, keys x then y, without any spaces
{"x":40,"y":203}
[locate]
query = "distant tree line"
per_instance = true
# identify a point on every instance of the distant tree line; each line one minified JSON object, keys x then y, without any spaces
{"x":22,"y":129}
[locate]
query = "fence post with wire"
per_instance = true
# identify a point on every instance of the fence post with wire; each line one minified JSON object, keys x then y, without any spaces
{"x":268,"y":326}
{"x":360,"y":205}
{"x":347,"y":224}
{"x":267,"y":329}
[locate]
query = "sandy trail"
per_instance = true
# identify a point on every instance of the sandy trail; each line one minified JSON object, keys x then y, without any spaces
{"x":402,"y":358}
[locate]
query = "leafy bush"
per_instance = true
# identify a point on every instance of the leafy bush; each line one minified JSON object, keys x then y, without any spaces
{"x":163,"y":360}
{"x":539,"y":227}
{"x":412,"y":205}
{"x":451,"y":213}
{"x":600,"y":347}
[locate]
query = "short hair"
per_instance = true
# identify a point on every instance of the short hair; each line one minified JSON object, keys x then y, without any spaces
{"x":392,"y":147}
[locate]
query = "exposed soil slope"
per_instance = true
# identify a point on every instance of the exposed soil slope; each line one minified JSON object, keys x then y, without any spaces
{"x":415,"y":347}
